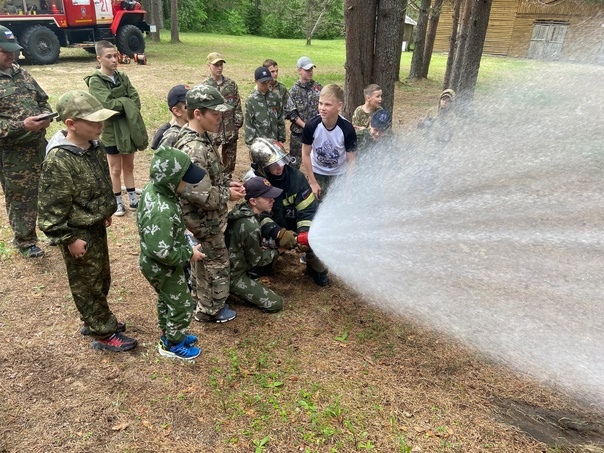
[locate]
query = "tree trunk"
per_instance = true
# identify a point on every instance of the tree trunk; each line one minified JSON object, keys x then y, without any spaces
{"x":460,"y":50}
{"x":174,"y":36}
{"x":417,"y":61}
{"x":452,"y":44}
{"x":155,"y":19}
{"x":390,"y":19}
{"x":477,"y":33}
{"x":311,"y":31}
{"x":431,"y":37}
{"x":359,"y":17}
{"x":401,"y":38}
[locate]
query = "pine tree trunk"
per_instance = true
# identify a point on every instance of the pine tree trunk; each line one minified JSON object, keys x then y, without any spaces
{"x":431,"y":37}
{"x":452,"y":44}
{"x":174,"y":35}
{"x":359,"y":17}
{"x":479,"y":22}
{"x":390,"y":20}
{"x":403,"y":11}
{"x":417,"y":61}
{"x":461,"y":47}
{"x":155,"y":20}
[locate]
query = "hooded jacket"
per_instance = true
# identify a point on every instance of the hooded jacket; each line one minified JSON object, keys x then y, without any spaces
{"x":161,"y":227}
{"x":75,"y":190}
{"x":127,"y":130}
{"x":244,"y":241}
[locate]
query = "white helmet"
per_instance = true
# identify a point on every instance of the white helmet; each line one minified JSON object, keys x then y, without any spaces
{"x":266,"y":151}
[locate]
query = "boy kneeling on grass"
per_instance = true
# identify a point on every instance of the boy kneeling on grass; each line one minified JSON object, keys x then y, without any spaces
{"x":165,"y":248}
{"x":75,"y":206}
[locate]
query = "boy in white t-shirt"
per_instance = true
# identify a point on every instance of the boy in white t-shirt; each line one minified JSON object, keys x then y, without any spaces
{"x":328,"y":142}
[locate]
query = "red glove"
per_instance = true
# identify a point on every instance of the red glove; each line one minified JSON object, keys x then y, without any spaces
{"x":303,"y":238}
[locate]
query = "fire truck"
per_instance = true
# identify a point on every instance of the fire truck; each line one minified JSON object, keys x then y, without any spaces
{"x":42,"y":27}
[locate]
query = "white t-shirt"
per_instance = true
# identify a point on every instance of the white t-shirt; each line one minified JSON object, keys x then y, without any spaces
{"x":329,"y":146}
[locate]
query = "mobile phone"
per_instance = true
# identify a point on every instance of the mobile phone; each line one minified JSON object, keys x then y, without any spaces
{"x":47,"y":116}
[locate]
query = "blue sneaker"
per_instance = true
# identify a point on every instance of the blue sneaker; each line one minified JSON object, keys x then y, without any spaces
{"x":178,"y":351}
{"x":188,"y":341}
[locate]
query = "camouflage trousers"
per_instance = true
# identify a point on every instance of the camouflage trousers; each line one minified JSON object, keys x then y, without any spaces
{"x":89,"y":280}
{"x":256,"y":293}
{"x":314,"y":262}
{"x":210,"y":276}
{"x":295,"y":149}
{"x":174,"y":301}
{"x":229,"y":154}
{"x":20,"y":169}
{"x":325,"y":182}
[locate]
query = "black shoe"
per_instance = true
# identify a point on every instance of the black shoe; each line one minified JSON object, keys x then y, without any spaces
{"x":85,"y":329}
{"x":224,"y":315}
{"x":33,"y":251}
{"x":118,"y":342}
{"x":320,"y":278}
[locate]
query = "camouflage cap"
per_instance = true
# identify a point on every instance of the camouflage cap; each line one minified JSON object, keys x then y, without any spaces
{"x":8,"y":41}
{"x":79,"y":104}
{"x":208,"y":97}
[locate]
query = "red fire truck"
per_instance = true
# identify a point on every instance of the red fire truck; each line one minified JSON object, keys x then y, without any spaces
{"x":42,"y":27}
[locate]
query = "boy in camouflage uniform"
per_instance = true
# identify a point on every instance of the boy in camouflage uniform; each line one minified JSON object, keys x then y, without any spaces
{"x":167,"y":134}
{"x":22,"y":144}
{"x":205,"y":209}
{"x":263,"y":111}
{"x":165,"y":249}
{"x":303,"y":104}
{"x":361,"y":118}
{"x":275,"y":85}
{"x":243,"y":237}
{"x":75,"y":207}
{"x":232,"y":120}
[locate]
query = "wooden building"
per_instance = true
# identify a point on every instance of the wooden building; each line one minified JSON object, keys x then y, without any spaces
{"x":571,"y":30}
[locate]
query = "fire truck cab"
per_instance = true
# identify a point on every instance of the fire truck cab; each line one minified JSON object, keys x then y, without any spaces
{"x":42,"y":27}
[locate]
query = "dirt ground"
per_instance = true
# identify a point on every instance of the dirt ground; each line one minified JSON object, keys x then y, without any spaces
{"x":329,"y":373}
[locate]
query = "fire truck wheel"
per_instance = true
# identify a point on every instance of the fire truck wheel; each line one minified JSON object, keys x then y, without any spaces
{"x":130,"y":40}
{"x":40,"y":45}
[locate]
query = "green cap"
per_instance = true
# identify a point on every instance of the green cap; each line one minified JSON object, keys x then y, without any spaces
{"x":79,"y":104}
{"x":205,"y":96}
{"x":8,"y":41}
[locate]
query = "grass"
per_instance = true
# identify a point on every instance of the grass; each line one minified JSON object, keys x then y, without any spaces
{"x":328,"y":374}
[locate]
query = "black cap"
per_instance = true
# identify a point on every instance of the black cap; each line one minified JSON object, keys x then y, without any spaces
{"x":177,"y":94}
{"x":262,"y":75}
{"x":260,"y":187}
{"x":194,"y":174}
{"x":382,"y":120}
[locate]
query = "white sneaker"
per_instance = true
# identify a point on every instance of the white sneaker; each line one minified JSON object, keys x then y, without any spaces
{"x":120,"y":211}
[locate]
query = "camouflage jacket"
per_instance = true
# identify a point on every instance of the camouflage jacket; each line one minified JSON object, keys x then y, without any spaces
{"x":127,"y":130}
{"x":303,"y":103}
{"x":170,"y":135}
{"x":75,"y":190}
{"x":231,"y":120}
{"x":263,"y":117}
{"x":161,"y":227}
{"x":243,"y":239}
{"x":20,"y":97}
{"x":281,"y":90}
{"x":204,"y":207}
